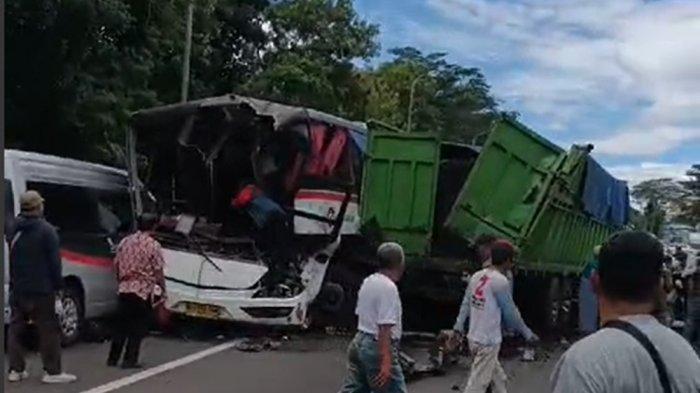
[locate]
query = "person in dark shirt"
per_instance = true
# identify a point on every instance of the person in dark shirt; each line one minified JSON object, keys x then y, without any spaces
{"x":35,"y":280}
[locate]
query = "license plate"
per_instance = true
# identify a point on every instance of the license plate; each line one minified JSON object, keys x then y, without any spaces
{"x":202,"y":311}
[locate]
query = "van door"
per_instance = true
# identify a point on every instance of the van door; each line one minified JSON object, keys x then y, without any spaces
{"x":399,"y":183}
{"x":89,"y":221}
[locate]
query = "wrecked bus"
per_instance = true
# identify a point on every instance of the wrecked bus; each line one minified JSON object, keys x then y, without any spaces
{"x":253,"y":196}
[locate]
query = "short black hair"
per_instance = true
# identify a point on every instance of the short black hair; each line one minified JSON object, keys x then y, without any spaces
{"x":146,"y":221}
{"x":630,"y":265}
{"x":502,"y":251}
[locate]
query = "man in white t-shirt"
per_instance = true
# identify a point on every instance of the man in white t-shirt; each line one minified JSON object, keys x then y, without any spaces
{"x":633,"y":351}
{"x":373,"y":355}
{"x":490,"y":304}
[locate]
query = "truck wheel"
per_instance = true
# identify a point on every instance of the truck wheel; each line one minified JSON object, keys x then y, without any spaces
{"x":71,"y":319}
{"x":331,"y":297}
{"x":559,"y":303}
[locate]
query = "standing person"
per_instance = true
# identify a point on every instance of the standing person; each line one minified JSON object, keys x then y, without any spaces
{"x":633,"y":352}
{"x":35,"y":280}
{"x":483,"y":245}
{"x":373,"y":355}
{"x":491,"y":302}
{"x":587,"y":298}
{"x":692,"y":324}
{"x":139,"y":267}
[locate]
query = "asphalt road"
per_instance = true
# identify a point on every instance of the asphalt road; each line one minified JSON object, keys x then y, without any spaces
{"x":309,"y":363}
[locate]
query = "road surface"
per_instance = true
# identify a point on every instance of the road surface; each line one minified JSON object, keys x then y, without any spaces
{"x":311,"y":363}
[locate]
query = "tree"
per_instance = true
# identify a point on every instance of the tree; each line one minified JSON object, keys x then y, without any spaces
{"x":77,"y":69}
{"x":667,"y":193}
{"x":448,"y":99}
{"x":691,"y":206}
{"x":309,"y":60}
{"x":654,"y":217}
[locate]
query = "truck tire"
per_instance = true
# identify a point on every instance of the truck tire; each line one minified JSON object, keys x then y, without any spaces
{"x":71,"y":320}
{"x":559,"y":305}
{"x":331,"y":297}
{"x":349,"y":280}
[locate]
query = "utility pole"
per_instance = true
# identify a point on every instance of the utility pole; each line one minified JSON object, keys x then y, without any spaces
{"x":186,"y":57}
{"x":410,"y":103}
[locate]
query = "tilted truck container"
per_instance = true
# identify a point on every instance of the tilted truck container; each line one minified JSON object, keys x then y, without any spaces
{"x":435,"y":198}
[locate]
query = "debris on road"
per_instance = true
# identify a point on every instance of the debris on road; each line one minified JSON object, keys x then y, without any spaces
{"x":258,"y":344}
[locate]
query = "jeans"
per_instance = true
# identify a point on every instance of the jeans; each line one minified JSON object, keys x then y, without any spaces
{"x":692,"y":324}
{"x":486,"y":370}
{"x":41,"y":310}
{"x":363,"y":366}
{"x":133,"y":317}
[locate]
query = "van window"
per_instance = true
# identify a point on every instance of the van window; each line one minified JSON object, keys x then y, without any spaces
{"x":76,"y":209}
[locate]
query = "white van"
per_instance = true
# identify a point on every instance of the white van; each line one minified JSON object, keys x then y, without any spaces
{"x":90,"y":206}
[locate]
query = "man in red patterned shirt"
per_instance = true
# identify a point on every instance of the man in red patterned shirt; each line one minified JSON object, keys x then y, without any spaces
{"x":139,"y":267}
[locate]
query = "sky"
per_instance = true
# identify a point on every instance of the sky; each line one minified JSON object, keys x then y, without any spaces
{"x":621,"y":74}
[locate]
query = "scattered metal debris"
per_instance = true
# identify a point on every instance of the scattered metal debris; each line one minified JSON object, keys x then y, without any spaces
{"x":258,"y":345}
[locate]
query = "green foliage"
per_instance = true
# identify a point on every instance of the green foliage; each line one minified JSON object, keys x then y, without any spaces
{"x":309,"y":60}
{"x":665,"y":192}
{"x":77,"y":69}
{"x":678,"y":200}
{"x":691,"y":207}
{"x":654,"y":218}
{"x":448,"y":99}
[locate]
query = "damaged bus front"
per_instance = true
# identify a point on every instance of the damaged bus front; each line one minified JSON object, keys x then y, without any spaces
{"x":253,"y":197}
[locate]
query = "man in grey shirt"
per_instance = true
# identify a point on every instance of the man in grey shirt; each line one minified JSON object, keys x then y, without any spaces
{"x":612,"y":360}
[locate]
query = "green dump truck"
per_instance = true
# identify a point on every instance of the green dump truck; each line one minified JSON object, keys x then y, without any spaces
{"x":436,"y":197}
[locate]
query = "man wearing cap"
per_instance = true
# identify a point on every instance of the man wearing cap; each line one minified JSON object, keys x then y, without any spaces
{"x":35,"y":280}
{"x":373,"y":355}
{"x":633,"y":351}
{"x":490,"y":304}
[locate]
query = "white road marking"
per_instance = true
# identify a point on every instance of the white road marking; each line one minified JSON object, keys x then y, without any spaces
{"x":151,"y":372}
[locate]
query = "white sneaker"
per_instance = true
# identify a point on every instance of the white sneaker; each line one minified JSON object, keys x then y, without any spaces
{"x":59,"y":378}
{"x":15,"y":376}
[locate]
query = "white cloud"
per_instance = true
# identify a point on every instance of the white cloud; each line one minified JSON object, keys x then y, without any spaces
{"x":569,"y":57}
{"x":646,"y":142}
{"x":635,"y":174}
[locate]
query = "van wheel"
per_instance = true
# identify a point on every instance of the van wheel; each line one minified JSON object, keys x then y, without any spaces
{"x":71,"y":318}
